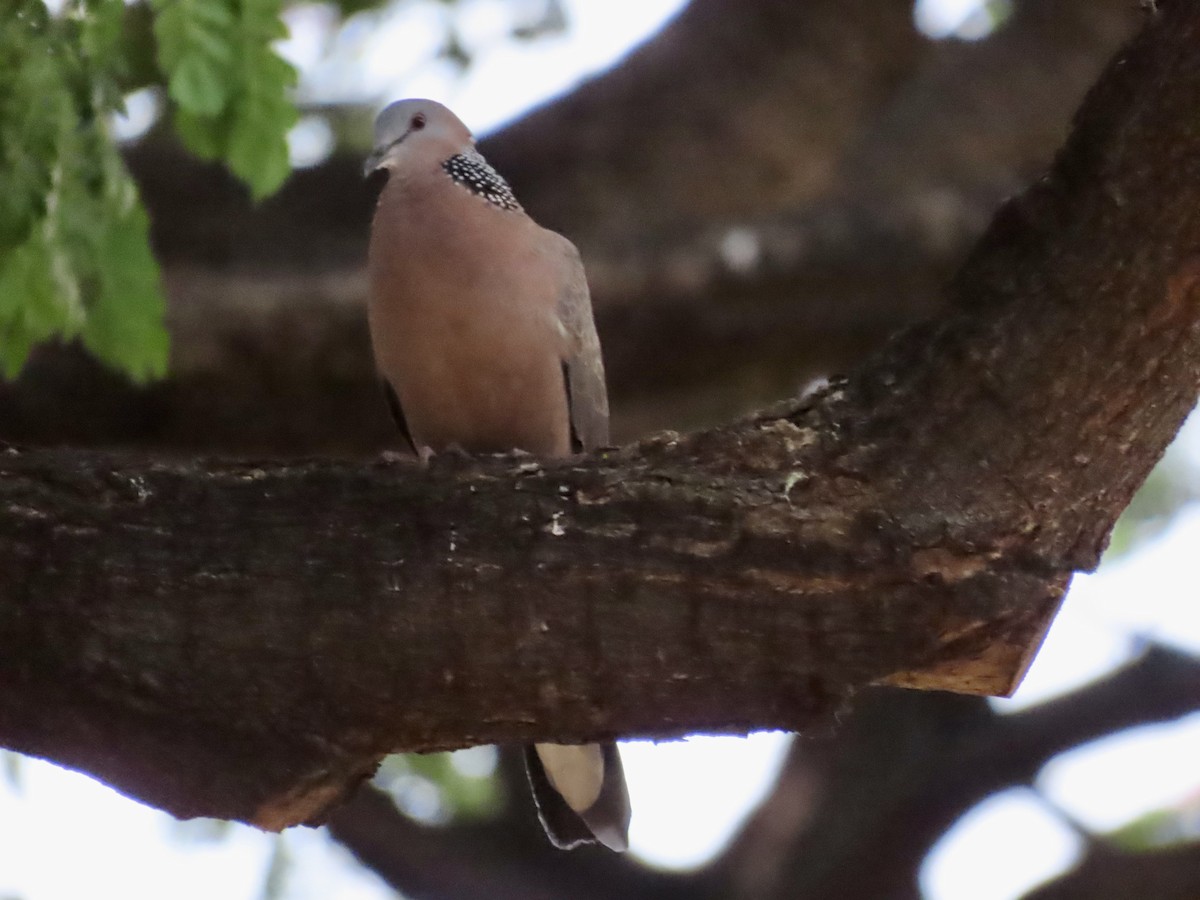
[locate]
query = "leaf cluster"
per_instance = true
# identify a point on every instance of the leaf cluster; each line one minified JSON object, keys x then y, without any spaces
{"x":75,"y":259}
{"x":230,"y":89}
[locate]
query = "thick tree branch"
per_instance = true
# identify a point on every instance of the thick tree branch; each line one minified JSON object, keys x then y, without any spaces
{"x":246,"y":640}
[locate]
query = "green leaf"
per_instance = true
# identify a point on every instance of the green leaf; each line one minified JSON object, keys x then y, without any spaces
{"x":231,"y":89}
{"x":101,"y":31}
{"x":33,"y":107}
{"x":263,"y":112}
{"x":101,"y":24}
{"x":28,"y":311}
{"x":258,"y":150}
{"x":124,"y":326}
{"x":203,"y":136}
{"x":196,"y":49}
{"x":197,"y":87}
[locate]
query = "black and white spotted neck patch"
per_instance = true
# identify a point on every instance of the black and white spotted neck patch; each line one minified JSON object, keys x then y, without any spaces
{"x":472,"y":171}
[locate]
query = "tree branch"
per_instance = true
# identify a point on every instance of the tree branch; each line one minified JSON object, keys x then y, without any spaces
{"x":246,"y":640}
{"x":505,"y":857}
{"x":861,"y":810}
{"x":1107,"y":873}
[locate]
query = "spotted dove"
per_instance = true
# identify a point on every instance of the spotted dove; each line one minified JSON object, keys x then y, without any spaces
{"x":482,"y":329}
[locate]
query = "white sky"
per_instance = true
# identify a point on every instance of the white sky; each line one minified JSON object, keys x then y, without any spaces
{"x":63,"y":835}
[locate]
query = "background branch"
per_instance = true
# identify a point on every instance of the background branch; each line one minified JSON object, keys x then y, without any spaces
{"x":854,"y":811}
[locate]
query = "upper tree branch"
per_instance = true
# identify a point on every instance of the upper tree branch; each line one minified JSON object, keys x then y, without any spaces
{"x":246,"y":640}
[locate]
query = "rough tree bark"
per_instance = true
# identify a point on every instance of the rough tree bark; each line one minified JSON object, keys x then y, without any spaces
{"x":246,"y":640}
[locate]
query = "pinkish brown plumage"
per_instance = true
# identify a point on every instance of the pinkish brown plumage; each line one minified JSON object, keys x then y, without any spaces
{"x":482,"y":329}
